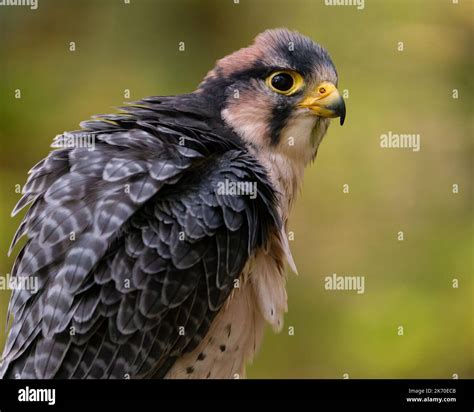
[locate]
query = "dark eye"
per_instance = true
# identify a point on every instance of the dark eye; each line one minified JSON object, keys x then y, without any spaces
{"x":282,"y":82}
{"x":285,"y":82}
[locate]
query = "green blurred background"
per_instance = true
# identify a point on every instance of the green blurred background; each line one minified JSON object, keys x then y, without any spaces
{"x":408,"y":283}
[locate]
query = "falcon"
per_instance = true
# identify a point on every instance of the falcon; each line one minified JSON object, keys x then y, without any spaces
{"x":160,"y":251}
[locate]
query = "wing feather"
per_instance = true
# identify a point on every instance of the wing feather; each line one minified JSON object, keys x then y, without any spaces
{"x":134,"y":247}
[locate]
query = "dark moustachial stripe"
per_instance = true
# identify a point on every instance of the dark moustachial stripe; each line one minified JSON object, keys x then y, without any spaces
{"x":279,"y":118}
{"x":280,"y":113}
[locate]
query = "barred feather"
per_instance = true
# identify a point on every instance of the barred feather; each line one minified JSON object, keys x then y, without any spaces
{"x":131,"y":242}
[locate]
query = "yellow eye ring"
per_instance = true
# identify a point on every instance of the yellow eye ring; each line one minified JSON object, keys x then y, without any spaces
{"x":285,"y":82}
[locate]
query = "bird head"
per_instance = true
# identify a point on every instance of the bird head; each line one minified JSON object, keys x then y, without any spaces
{"x":278,"y":93}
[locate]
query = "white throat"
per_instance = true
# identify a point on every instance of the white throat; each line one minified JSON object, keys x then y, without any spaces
{"x":286,"y":162}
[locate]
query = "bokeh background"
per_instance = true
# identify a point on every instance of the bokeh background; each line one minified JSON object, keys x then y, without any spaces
{"x":407,"y":283}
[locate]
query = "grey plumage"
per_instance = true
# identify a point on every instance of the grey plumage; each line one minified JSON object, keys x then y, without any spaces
{"x":134,"y":248}
{"x":154,"y":247}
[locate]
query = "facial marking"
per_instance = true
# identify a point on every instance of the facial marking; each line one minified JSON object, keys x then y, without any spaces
{"x":249,"y":115}
{"x":266,"y":114}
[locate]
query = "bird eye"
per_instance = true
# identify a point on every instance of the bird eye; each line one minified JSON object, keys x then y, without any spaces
{"x":282,"y":82}
{"x":322,"y":90}
{"x":285,"y":82}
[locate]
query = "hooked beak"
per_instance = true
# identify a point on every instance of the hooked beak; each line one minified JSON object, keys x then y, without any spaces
{"x":325,"y":101}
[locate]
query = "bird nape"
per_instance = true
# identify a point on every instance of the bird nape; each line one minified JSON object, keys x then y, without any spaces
{"x":161,"y":252}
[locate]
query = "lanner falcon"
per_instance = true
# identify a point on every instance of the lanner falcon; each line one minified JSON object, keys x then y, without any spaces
{"x":161,"y":252}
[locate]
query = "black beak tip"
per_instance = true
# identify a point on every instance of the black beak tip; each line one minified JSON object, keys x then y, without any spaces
{"x":342,"y":113}
{"x":342,"y":118}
